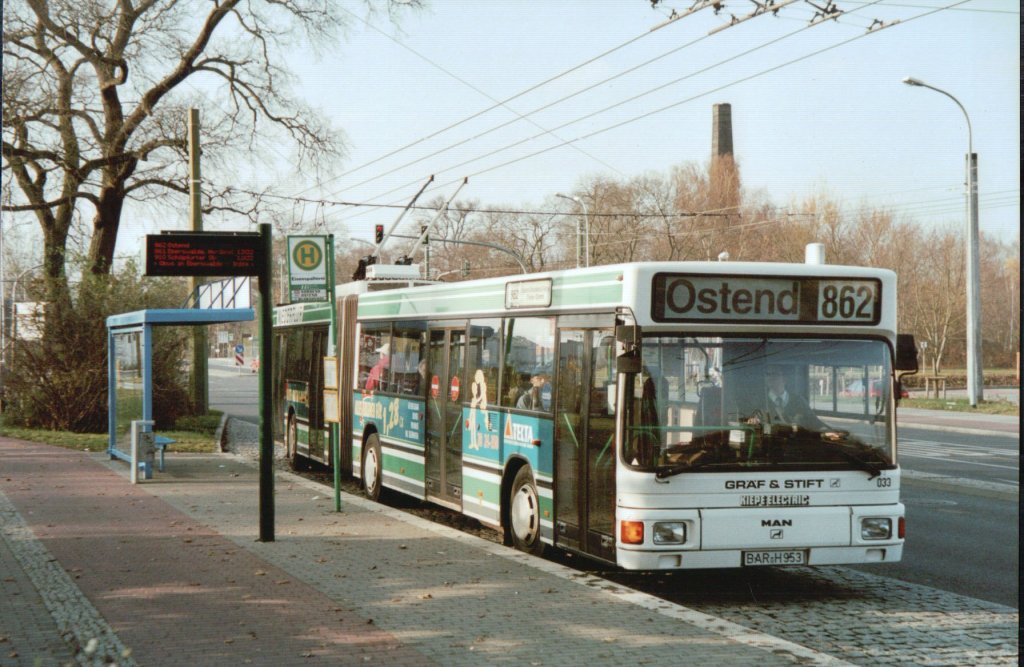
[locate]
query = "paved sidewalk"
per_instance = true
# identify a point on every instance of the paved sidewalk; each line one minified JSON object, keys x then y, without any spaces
{"x":169,"y":573}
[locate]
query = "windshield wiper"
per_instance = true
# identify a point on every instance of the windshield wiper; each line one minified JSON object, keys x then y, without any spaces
{"x":873,"y":469}
{"x":699,"y":461}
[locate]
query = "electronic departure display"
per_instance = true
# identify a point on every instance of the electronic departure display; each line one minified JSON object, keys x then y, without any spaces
{"x":203,"y":254}
{"x":767,"y":299}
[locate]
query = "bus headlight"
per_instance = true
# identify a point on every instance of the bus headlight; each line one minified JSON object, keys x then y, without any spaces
{"x":669,"y":532}
{"x":875,"y":529}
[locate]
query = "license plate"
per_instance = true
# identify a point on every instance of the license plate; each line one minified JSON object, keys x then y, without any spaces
{"x":754,"y":558}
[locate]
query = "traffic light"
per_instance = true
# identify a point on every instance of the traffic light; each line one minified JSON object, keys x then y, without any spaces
{"x":378,"y":234}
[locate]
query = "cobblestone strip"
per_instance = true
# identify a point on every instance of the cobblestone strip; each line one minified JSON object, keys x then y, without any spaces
{"x":89,"y":636}
{"x":886,"y":622}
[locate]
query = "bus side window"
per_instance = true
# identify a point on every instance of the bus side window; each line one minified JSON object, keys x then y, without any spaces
{"x":408,"y":374}
{"x":374,"y":356}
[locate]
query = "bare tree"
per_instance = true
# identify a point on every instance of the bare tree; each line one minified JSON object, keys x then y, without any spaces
{"x":94,"y":105}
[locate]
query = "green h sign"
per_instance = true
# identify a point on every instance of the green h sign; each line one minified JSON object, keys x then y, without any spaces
{"x":308,"y":268}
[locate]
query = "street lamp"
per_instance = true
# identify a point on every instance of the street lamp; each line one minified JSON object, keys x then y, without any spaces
{"x":974,"y":368}
{"x":585,"y":234}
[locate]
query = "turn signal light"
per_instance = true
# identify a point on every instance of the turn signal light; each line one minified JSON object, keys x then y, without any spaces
{"x":902,"y":528}
{"x":632,"y":532}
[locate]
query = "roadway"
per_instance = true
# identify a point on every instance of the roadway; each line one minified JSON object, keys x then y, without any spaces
{"x":234,"y":390}
{"x":961,"y":490}
{"x":961,"y":476}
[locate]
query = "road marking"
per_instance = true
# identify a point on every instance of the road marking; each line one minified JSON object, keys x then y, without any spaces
{"x":943,"y":451}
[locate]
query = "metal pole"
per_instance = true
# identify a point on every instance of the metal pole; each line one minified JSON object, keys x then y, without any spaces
{"x":579,"y":234}
{"x":199,"y":383}
{"x":975,"y":377}
{"x":3,"y":316}
{"x":586,"y":232}
{"x":266,"y":277}
{"x":335,"y":428}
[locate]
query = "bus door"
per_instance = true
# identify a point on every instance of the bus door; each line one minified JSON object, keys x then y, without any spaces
{"x":315,"y":396}
{"x":445,"y":394}
{"x":585,"y":442}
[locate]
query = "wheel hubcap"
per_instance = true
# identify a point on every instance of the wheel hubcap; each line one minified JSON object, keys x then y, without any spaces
{"x":371,"y":469}
{"x":525,"y":515}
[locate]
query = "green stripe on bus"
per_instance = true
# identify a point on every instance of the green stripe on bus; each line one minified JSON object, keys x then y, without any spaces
{"x":403,"y":467}
{"x":433,"y":302}
{"x":475,"y":489}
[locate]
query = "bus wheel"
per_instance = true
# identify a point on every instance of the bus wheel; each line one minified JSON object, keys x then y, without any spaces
{"x":372,"y":468}
{"x":524,"y":514}
{"x":292,"y":445}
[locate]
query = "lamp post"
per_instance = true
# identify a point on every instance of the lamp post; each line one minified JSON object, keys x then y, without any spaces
{"x":585,"y":234}
{"x":974,"y":367}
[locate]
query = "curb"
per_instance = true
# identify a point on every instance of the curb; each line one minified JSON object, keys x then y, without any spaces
{"x":218,"y":435}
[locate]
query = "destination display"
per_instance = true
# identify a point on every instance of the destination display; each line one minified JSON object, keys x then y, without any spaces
{"x":768,"y":299}
{"x":203,"y":254}
{"x":528,"y":294}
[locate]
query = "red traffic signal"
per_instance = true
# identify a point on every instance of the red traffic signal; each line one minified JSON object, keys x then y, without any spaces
{"x":378,"y":234}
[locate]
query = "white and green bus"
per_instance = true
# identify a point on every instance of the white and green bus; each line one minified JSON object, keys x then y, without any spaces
{"x":632,"y":413}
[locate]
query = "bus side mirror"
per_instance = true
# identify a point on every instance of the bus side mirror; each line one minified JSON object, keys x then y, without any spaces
{"x":629,"y":362}
{"x":626,"y":334}
{"x":906,"y":353}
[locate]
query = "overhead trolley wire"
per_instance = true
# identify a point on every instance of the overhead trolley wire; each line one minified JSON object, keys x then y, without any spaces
{"x":564,"y":99}
{"x":497,"y":104}
{"x":648,"y":114}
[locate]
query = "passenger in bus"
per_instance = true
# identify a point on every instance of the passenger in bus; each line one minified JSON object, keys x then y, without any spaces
{"x":421,"y":377}
{"x":783,"y":406}
{"x":374,"y":379}
{"x":531,"y":400}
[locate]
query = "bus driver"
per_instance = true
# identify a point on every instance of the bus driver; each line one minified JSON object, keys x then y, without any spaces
{"x":782,"y":406}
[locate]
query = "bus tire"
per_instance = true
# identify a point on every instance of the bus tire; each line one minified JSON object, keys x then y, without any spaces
{"x":295,"y":460}
{"x":372,"y":470}
{"x":524,"y":514}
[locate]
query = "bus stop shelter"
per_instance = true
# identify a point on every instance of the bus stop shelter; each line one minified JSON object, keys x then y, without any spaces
{"x":130,"y":366}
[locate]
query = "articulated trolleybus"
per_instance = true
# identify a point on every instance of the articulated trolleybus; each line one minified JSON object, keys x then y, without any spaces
{"x":651,"y":415}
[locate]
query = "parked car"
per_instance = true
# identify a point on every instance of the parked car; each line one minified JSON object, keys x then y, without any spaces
{"x":856,"y":389}
{"x":875,"y":388}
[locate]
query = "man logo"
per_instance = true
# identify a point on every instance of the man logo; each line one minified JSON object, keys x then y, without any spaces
{"x":776,"y":534}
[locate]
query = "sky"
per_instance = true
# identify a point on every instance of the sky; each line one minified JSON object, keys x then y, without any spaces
{"x":516,"y":95}
{"x":529,"y":99}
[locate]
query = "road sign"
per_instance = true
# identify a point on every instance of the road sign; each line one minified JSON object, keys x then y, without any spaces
{"x":307,"y":268}
{"x":239,"y":348}
{"x":204,"y":254}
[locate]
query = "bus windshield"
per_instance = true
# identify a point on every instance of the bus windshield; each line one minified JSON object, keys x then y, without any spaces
{"x":759,"y":403}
